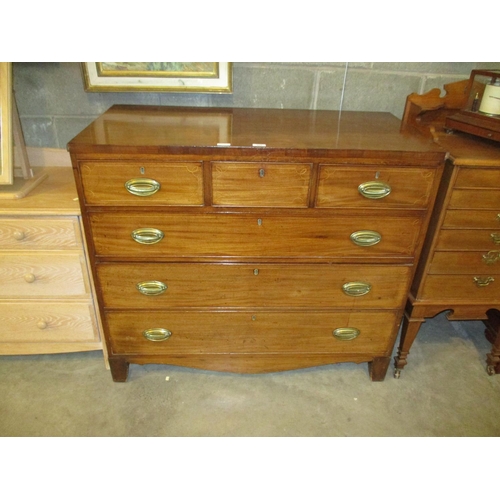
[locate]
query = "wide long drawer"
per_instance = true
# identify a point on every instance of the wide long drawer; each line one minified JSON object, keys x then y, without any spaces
{"x":374,"y":186}
{"x":478,"y":177}
{"x":47,"y":322}
{"x":473,"y":219}
{"x":465,"y":262}
{"x":468,"y":239}
{"x":474,"y":199}
{"x":143,"y":183}
{"x":468,"y":287}
{"x":252,"y":235}
{"x":257,"y":332}
{"x":41,"y":233}
{"x":161,"y":286}
{"x":42,"y":275}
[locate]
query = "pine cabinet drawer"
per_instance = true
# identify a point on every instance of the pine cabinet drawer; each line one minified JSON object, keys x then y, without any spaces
{"x":484,"y":287}
{"x":143,"y":183}
{"x":161,"y":286}
{"x":47,"y":322}
{"x":251,"y":332}
{"x":374,"y":187}
{"x":20,"y":233}
{"x":42,"y":275}
{"x":478,"y":178}
{"x":473,"y":219}
{"x":261,"y":184}
{"x":473,"y":199}
{"x":472,"y":239}
{"x":465,"y":262}
{"x":257,"y":235}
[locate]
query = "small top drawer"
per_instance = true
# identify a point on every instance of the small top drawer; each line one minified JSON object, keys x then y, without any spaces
{"x":41,"y":233}
{"x":261,"y":184}
{"x":143,"y":183}
{"x":356,"y":186}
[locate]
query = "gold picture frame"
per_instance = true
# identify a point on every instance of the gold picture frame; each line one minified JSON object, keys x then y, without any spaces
{"x":6,"y":140}
{"x":202,"y":77}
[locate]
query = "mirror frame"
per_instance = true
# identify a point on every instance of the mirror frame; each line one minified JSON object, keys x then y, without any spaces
{"x":6,"y":136}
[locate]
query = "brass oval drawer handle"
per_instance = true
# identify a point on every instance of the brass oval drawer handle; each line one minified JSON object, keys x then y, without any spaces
{"x":142,"y":187}
{"x":356,"y":288}
{"x":481,"y":282}
{"x":29,"y":278}
{"x":496,"y":238}
{"x":151,"y":287}
{"x":374,"y":190}
{"x":157,"y":334}
{"x":366,"y":238}
{"x":491,"y":257}
{"x":147,"y":235}
{"x":19,"y":235}
{"x":346,"y":333}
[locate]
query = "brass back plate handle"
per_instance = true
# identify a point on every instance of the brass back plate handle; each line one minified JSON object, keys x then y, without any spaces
{"x":142,"y":186}
{"x":374,"y":190}
{"x":147,"y":235}
{"x":157,"y":334}
{"x":346,"y":333}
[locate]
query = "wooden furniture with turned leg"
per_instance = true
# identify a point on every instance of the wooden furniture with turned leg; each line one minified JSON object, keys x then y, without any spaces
{"x":459,"y":270}
{"x":252,"y":240}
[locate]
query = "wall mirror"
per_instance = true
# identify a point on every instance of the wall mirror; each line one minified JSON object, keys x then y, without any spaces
{"x":14,"y":182}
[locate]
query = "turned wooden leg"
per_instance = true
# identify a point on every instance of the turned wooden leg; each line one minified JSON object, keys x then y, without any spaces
{"x":378,"y":368}
{"x":493,"y":335}
{"x":409,"y":331}
{"x":119,"y":369}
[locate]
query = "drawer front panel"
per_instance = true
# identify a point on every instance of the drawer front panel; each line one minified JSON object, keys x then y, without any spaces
{"x":259,"y":285}
{"x":41,"y":233}
{"x":463,"y":287}
{"x":470,"y":199}
{"x":258,"y":332}
{"x":451,"y":239}
{"x":473,"y":219}
{"x":260,"y":184}
{"x":47,"y":322}
{"x":245,"y":235}
{"x":382,"y":187}
{"x":465,"y":262}
{"x":179,"y":183}
{"x":478,"y":178}
{"x":42,"y":275}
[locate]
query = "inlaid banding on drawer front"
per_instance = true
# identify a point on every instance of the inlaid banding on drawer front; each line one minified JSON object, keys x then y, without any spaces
{"x":261,"y":184}
{"x":175,"y":183}
{"x":466,"y":287}
{"x":341,"y":186}
{"x":40,"y":233}
{"x":252,"y":285}
{"x":257,"y":332}
{"x":247,"y":235}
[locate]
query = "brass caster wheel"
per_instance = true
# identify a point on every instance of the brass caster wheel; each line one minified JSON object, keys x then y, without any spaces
{"x":397,"y":373}
{"x":490,"y":370}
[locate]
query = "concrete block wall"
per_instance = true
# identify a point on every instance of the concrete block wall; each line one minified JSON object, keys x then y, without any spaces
{"x":54,"y":107}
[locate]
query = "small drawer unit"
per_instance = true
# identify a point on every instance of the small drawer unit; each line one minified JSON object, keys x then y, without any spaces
{"x":243,"y":258}
{"x":47,"y":300}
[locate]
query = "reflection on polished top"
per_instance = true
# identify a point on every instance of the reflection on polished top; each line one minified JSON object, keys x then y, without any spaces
{"x":158,"y":129}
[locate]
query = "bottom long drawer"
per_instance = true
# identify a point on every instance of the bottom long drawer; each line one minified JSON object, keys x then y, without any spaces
{"x":468,"y":287}
{"x":47,"y":322}
{"x":246,"y":332}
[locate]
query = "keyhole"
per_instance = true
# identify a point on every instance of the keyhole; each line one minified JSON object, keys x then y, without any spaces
{"x":142,"y":170}
{"x":377,"y":175}
{"x":262,"y":172}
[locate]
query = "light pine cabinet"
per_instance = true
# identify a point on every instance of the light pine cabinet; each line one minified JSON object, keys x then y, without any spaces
{"x":46,"y":294}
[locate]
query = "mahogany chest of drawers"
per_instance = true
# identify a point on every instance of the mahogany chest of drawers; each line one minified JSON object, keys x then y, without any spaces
{"x":252,"y":240}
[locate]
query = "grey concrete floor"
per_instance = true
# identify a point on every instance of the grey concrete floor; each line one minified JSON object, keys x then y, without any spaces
{"x":443,"y":391}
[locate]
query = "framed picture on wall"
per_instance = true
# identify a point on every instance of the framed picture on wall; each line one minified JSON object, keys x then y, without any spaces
{"x":213,"y":77}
